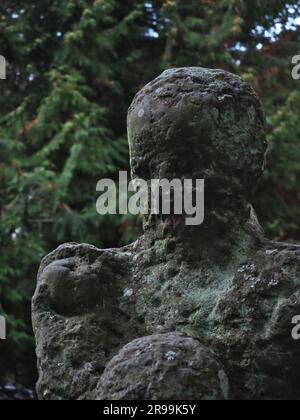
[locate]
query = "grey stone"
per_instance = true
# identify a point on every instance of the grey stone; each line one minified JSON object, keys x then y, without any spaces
{"x":222,"y":282}
{"x":170,"y":365}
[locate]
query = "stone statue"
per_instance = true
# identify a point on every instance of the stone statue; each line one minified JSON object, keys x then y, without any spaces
{"x":186,"y":312}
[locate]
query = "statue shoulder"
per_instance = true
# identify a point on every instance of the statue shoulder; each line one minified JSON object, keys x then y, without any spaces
{"x":75,"y":277}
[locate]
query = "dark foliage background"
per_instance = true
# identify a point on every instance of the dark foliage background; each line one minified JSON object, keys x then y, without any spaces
{"x":73,"y":69}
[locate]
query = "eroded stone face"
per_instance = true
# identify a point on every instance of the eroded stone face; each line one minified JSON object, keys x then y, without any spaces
{"x":198,"y":123}
{"x":223,"y":283}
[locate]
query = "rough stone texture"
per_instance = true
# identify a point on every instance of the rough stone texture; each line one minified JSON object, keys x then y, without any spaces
{"x":200,"y":124}
{"x":222,"y":282}
{"x":169,"y":365}
{"x":81,"y":318}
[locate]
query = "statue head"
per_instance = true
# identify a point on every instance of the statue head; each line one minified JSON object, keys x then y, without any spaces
{"x":195,"y":123}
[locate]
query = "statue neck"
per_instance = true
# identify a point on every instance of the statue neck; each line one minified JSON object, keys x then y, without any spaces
{"x":217,"y":239}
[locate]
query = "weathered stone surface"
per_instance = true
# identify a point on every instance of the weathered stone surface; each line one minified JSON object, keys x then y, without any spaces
{"x":81,"y":318}
{"x":170,"y":365}
{"x":194,"y":123}
{"x":222,"y":282}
